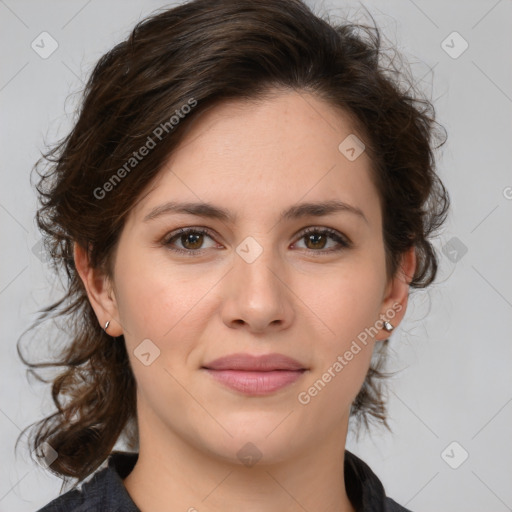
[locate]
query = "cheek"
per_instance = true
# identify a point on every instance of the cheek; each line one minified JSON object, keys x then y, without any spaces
{"x":145,"y":305}
{"x":347,"y":300}
{"x":349,"y":307}
{"x":342,"y":357}
{"x":160,"y":303}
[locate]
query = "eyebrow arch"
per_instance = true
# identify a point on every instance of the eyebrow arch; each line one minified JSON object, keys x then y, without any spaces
{"x":319,"y":209}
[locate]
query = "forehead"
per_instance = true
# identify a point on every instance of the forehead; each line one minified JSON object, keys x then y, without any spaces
{"x":259,"y":156}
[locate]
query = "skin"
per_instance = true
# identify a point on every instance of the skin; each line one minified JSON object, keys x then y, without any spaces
{"x":296,"y":298}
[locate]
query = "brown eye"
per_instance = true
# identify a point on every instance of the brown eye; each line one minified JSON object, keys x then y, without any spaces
{"x":316,"y":240}
{"x":191,"y":240}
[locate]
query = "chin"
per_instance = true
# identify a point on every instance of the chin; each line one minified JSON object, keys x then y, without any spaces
{"x":258,"y":444}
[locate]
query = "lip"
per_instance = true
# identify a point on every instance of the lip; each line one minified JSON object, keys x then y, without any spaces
{"x":255,"y":375}
{"x":249,"y":363}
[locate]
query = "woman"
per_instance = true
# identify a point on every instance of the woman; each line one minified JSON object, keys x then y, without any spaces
{"x":241,"y":208}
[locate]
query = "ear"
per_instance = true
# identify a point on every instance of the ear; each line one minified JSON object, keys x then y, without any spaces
{"x":395,"y":299}
{"x":99,"y":290}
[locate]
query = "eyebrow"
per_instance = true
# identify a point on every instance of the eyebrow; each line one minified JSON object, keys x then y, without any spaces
{"x":297,"y":211}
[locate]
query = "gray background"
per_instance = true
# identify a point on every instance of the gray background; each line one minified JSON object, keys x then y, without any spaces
{"x":453,"y":349}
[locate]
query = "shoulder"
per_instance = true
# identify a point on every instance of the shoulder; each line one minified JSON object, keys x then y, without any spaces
{"x":393,"y":506}
{"x":86,"y":499}
{"x":364,"y":488}
{"x":104,"y":491}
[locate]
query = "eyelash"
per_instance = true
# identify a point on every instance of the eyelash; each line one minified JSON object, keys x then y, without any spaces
{"x":340,"y":239}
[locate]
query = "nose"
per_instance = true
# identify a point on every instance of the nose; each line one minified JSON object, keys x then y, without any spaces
{"x":255,"y":295}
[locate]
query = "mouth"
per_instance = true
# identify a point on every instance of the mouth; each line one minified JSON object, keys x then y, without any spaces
{"x":255,"y":375}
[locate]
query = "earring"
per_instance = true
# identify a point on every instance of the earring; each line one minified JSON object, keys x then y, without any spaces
{"x":387,"y":326}
{"x":106,"y":326}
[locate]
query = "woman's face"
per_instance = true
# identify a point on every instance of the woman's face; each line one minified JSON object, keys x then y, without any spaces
{"x":254,"y":282}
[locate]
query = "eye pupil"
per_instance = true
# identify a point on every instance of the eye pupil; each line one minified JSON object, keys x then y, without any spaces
{"x":185,"y":239}
{"x":312,"y":237}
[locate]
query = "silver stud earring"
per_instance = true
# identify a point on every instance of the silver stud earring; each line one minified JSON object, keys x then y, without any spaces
{"x":388,"y":326}
{"x":106,"y":326}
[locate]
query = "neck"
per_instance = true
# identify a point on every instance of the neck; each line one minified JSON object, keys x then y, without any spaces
{"x":175,"y":475}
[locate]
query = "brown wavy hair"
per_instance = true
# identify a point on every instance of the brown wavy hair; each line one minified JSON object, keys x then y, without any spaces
{"x":208,"y":52}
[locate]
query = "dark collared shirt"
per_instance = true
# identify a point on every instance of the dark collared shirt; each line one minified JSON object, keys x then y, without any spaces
{"x":105,"y":491}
